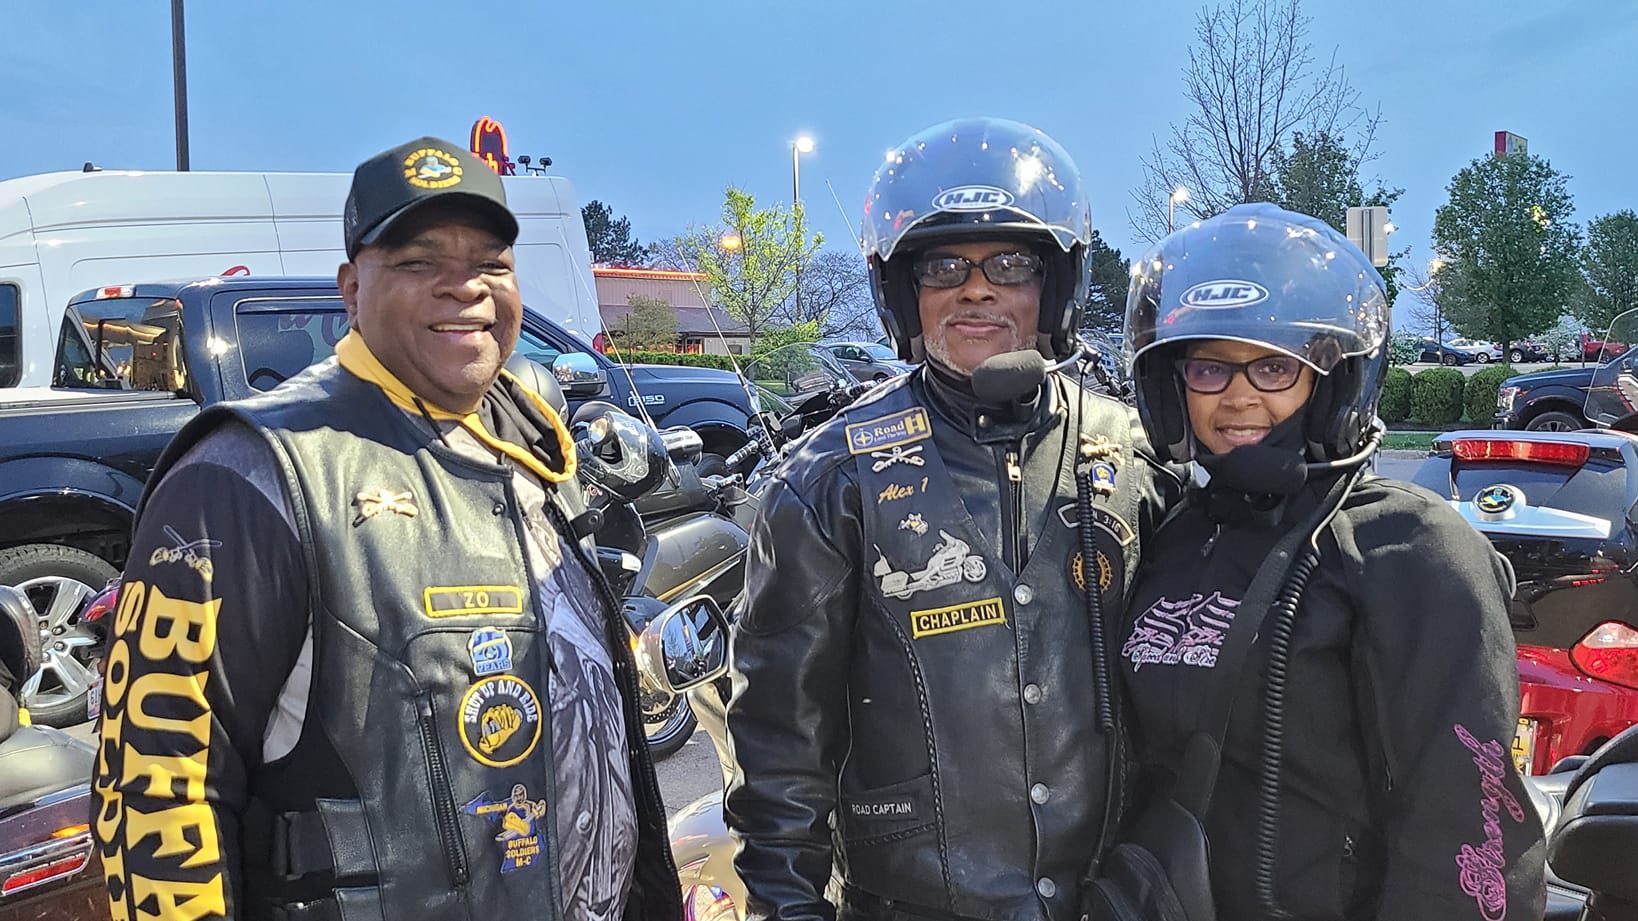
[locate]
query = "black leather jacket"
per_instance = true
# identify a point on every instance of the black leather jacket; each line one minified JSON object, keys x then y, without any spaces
{"x":912,"y":665}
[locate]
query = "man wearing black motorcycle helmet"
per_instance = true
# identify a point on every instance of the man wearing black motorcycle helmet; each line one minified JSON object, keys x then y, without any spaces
{"x":917,"y":659}
{"x":1364,"y":768}
{"x":363,"y":664}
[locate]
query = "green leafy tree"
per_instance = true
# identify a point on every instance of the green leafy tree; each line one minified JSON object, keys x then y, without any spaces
{"x":751,"y":259}
{"x":1609,"y":269}
{"x":610,"y":238}
{"x":1109,"y":277}
{"x":1509,"y":246}
{"x":651,"y":323}
{"x":1319,"y":176}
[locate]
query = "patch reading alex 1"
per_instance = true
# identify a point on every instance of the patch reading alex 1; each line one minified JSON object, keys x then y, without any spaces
{"x":901,"y":428}
{"x":964,"y":616}
{"x":500,"y":721}
{"x":462,"y":600}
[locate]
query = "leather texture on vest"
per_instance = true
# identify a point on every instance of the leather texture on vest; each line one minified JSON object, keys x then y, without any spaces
{"x":972,"y":768}
{"x":453,"y":770}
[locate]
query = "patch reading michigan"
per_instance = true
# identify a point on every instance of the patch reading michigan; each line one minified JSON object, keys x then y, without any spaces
{"x":901,"y":428}
{"x":964,"y":616}
{"x":431,"y":168}
{"x":500,"y":721}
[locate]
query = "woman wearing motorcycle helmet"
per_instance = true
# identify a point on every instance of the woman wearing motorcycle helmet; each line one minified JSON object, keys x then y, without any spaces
{"x":1369,"y":710}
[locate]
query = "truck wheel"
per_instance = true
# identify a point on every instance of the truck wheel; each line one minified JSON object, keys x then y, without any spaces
{"x":58,"y":581}
{"x":1554,"y":421}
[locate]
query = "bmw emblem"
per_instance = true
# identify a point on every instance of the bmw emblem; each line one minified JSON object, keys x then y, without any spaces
{"x":1497,"y":499}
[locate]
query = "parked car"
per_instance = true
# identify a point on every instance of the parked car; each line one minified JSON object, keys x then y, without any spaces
{"x":135,"y":362}
{"x":868,"y":361}
{"x":1561,"y":508}
{"x":1599,"y":350}
{"x":1528,"y":351}
{"x":1435,"y":352}
{"x":1483,"y":352}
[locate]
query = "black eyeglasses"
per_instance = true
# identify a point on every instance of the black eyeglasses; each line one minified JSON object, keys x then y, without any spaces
{"x":1270,"y":373}
{"x":999,"y":268}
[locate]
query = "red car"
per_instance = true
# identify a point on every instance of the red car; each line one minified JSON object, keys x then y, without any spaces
{"x":1563,"y":508}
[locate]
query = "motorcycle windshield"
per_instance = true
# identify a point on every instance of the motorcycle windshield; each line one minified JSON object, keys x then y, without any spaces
{"x":791,"y":372}
{"x":1612,"y":395}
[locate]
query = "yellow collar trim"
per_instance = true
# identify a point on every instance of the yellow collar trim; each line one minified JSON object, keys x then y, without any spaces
{"x":355,"y":355}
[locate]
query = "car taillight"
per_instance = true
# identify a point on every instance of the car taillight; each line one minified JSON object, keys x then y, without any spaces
{"x":1540,"y":452}
{"x":102,"y":605}
{"x":1609,"y":652}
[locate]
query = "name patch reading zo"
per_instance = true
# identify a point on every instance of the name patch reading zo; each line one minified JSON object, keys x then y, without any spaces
{"x":964,"y":616}
{"x":461,"y":600}
{"x":902,"y":428}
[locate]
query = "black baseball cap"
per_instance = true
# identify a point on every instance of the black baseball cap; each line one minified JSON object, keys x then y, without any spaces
{"x":394,"y":183}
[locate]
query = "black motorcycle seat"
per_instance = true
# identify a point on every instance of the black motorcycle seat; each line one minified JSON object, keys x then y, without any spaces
{"x":37,"y":760}
{"x":1547,"y":795}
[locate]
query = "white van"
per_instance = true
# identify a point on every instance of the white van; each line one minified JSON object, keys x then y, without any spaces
{"x":63,"y":233}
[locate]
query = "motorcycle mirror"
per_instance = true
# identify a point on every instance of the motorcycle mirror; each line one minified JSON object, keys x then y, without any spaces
{"x":20,"y":650}
{"x":685,"y":646}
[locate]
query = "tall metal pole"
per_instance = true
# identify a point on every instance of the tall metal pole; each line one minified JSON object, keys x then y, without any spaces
{"x":796,"y":215}
{"x":179,"y":80}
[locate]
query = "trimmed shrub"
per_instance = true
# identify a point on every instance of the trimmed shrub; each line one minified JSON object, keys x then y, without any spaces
{"x":640,"y":357}
{"x":1404,"y":349}
{"x":1396,"y":396}
{"x":1481,"y":393}
{"x":1436,"y":396}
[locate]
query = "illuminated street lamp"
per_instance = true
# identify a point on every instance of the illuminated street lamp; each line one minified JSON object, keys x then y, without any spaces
{"x":730,"y":242}
{"x":800,"y":146}
{"x":1178,"y":195}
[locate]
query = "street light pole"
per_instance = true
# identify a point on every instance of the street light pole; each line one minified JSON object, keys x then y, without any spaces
{"x":179,"y":81}
{"x":800,"y":146}
{"x":1176,"y":195}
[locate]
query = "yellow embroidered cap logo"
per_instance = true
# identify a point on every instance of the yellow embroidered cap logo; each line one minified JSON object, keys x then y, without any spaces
{"x":431,"y":168}
{"x":964,"y":616}
{"x":500,"y":721}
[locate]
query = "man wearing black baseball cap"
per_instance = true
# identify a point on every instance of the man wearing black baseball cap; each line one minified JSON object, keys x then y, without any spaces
{"x":402,"y":691}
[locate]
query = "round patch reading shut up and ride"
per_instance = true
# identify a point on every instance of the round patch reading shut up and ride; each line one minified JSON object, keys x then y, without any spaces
{"x":500,"y":721}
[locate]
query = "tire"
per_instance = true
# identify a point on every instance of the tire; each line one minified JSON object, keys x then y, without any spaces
{"x":1448,"y":361}
{"x":1483,"y":357}
{"x":58,"y":581}
{"x":1516,"y":356}
{"x":713,"y":465}
{"x":668,"y":726}
{"x":1554,"y":421}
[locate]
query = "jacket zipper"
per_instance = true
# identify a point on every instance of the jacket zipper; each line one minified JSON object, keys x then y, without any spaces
{"x":1012,"y":512}
{"x":443,"y":795}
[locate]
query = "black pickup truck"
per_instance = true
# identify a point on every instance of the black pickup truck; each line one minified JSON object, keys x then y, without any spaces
{"x":135,"y":362}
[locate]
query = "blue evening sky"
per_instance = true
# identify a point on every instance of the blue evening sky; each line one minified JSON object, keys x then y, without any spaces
{"x":654,"y":107}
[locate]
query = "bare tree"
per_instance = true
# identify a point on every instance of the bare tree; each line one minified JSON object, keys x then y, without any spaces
{"x":836,"y":296}
{"x":1253,"y":81}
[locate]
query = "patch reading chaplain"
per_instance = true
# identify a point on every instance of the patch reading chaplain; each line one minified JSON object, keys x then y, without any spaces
{"x":461,"y":600}
{"x":901,"y":428}
{"x":500,"y":721}
{"x":964,"y":616}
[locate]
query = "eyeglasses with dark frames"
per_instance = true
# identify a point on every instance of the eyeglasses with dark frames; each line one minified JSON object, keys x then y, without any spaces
{"x":1269,"y":374}
{"x":999,"y":268}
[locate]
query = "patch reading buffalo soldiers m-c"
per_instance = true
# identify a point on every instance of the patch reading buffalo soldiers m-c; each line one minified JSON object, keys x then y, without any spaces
{"x":500,"y":721}
{"x":964,"y":616}
{"x":901,"y":428}
{"x":519,"y":819}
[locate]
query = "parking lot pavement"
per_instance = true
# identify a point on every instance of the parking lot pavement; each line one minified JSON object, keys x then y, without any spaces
{"x":684,"y":777}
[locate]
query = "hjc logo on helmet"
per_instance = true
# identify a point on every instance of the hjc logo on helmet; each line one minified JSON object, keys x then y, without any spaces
{"x":972,"y":198}
{"x":1223,"y":294}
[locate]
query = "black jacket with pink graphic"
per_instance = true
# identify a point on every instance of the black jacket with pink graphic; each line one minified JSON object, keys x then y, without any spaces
{"x":1398,"y":799}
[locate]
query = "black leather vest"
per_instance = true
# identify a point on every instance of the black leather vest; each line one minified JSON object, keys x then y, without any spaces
{"x":1000,"y":806}
{"x":421,"y":784}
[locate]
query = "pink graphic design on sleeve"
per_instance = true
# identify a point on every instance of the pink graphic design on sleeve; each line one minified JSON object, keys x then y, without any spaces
{"x":1188,"y":631}
{"x":1481,"y":867}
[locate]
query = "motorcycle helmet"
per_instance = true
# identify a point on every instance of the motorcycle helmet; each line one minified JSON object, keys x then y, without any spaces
{"x":983,"y":178}
{"x":1260,"y":274}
